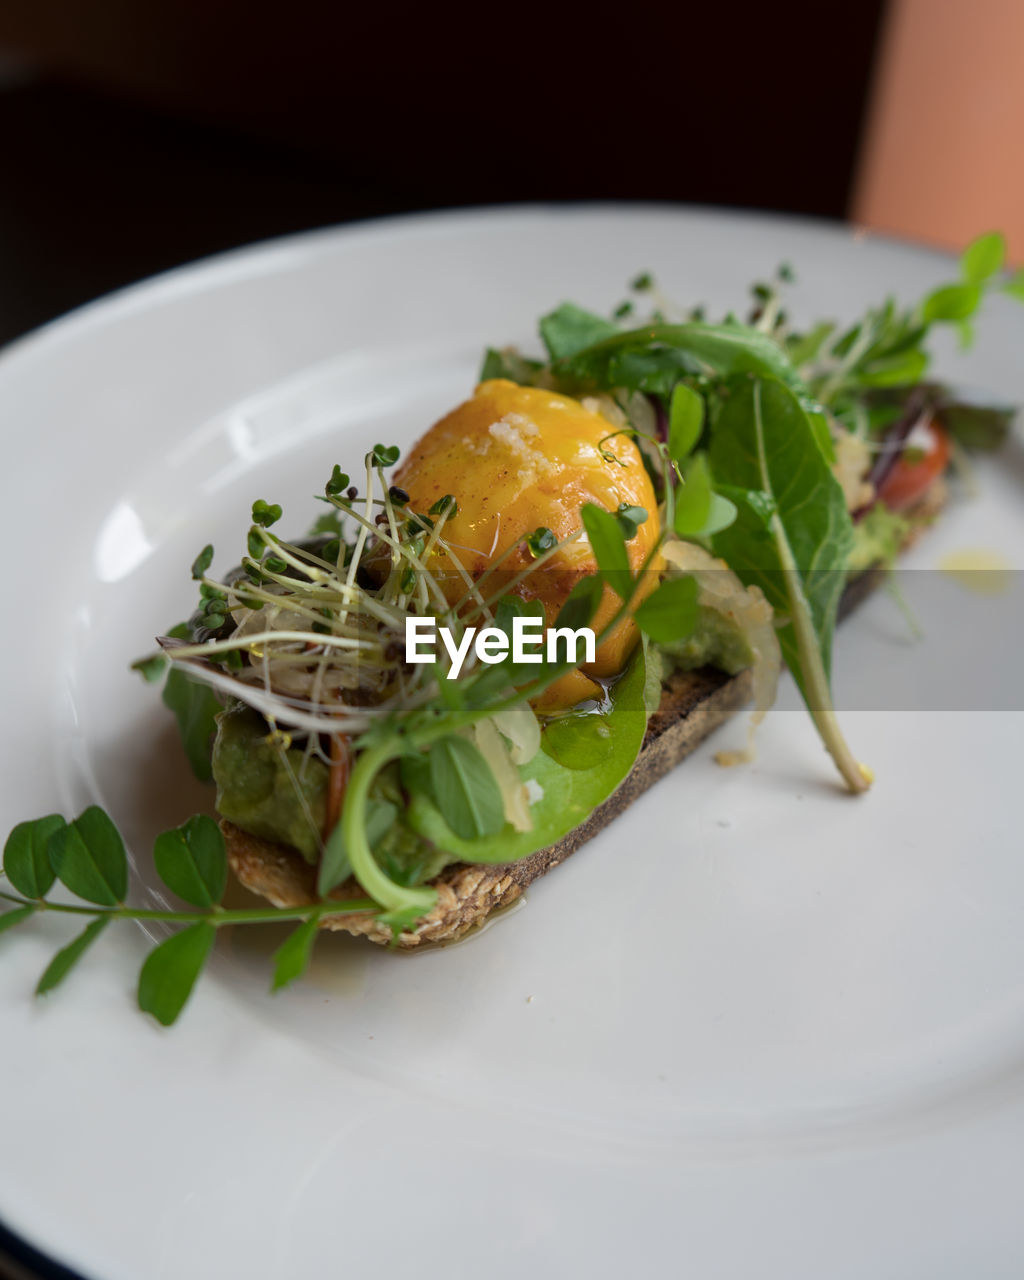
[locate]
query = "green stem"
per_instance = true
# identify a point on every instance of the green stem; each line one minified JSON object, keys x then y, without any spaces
{"x":216,"y":916}
{"x":380,"y":887}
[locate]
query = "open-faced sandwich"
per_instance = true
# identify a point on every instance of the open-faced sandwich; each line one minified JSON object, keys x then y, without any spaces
{"x":705,"y":498}
{"x":484,"y":651}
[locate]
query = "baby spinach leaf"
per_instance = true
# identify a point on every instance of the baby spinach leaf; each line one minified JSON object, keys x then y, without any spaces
{"x":88,"y":857}
{"x":67,"y":957}
{"x":171,"y":970}
{"x":562,"y":797}
{"x":26,"y":856}
{"x":191,"y":861}
{"x":291,"y":959}
{"x":467,"y":795}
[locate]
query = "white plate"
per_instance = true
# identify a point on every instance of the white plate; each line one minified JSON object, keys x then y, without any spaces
{"x":754,"y":1028}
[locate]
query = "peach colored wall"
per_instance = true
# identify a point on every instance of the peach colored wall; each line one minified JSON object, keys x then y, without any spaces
{"x":943,"y":151}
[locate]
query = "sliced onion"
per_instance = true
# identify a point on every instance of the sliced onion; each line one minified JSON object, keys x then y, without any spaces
{"x":513,"y":793}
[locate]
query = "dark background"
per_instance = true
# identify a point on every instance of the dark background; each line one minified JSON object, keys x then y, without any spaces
{"x":140,"y":134}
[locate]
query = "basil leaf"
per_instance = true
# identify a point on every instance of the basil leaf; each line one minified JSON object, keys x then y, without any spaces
{"x":563,"y":797}
{"x":670,"y":612}
{"x":171,"y":970}
{"x":26,"y":856}
{"x":983,"y":257}
{"x":191,"y":861}
{"x":569,"y":329}
{"x":8,"y":919}
{"x":89,"y":858}
{"x":685,"y":421}
{"x":291,"y":959}
{"x":465,"y":789}
{"x":609,"y":547}
{"x":67,"y":957}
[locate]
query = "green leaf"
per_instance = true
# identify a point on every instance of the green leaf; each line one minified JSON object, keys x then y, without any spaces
{"x":338,"y":482}
{"x":685,"y":421}
{"x":327,"y":525}
{"x":511,"y":365}
{"x":762,"y":442}
{"x":151,"y":669}
{"x":567,"y":796}
{"x":700,"y":512}
{"x":951,"y":302}
{"x":26,"y":855}
{"x":385,"y":455}
{"x":171,"y":969}
{"x":630,"y":519}
{"x":570,"y":329}
{"x":8,"y":919}
{"x":581,"y":604}
{"x":265,"y":513}
{"x":977,"y":426}
{"x":195,"y":707}
{"x":983,"y":257}
{"x":693,"y":499}
{"x":291,"y":959}
{"x":802,"y":350}
{"x":202,"y":562}
{"x":67,"y":957}
{"x":670,"y":612}
{"x":89,"y":858}
{"x":905,"y":369}
{"x":1015,"y":285}
{"x":654,"y":358}
{"x":191,"y":861}
{"x":609,"y":547}
{"x":334,"y":864}
{"x":465,"y":789}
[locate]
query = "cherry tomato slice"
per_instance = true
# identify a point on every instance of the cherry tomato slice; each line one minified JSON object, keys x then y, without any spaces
{"x":911,"y":476}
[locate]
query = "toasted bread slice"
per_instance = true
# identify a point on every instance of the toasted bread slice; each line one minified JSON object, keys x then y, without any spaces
{"x":693,"y":703}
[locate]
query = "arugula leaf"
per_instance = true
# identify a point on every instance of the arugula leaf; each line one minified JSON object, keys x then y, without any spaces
{"x":67,"y":957}
{"x":192,"y":862}
{"x":511,"y":365}
{"x":762,"y":441}
{"x":171,"y":970}
{"x":569,"y":329}
{"x":88,"y":857}
{"x":27,"y":858}
{"x":467,"y":795}
{"x":654,"y":359}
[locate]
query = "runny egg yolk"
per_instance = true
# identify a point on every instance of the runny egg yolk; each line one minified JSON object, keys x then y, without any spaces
{"x":522,"y":458}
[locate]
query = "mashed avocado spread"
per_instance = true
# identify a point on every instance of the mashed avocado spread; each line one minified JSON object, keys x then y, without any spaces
{"x":278,"y":793}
